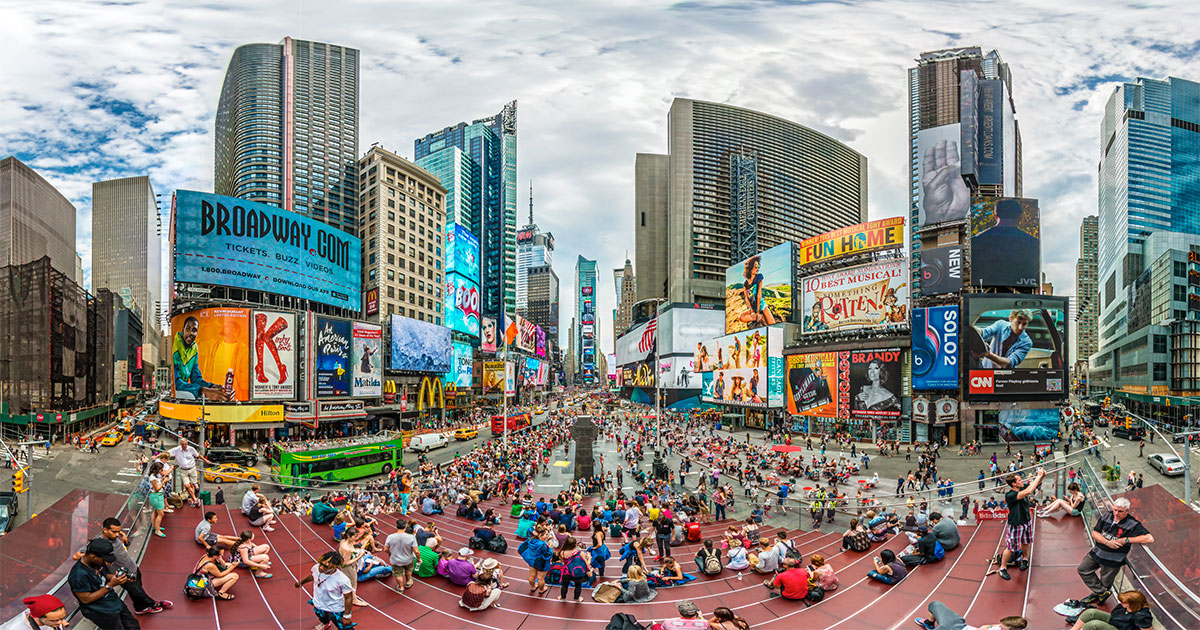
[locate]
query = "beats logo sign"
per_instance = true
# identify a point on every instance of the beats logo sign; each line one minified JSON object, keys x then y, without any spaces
{"x":982,"y":381}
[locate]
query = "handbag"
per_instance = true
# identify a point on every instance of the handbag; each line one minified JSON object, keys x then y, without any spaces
{"x":198,"y":586}
{"x":815,"y":594}
{"x":606,"y":593}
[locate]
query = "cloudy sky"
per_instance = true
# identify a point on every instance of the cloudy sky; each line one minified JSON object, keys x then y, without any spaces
{"x":96,"y":90}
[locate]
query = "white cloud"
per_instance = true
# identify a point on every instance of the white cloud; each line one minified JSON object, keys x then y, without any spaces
{"x":103,"y":90}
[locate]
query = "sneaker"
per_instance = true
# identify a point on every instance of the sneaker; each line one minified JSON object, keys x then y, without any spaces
{"x":1095,"y":599}
{"x":1024,"y":565}
{"x":1004,"y":574}
{"x":168,"y":511}
{"x":149,"y":611}
{"x":165,"y":604}
{"x":925,"y":623}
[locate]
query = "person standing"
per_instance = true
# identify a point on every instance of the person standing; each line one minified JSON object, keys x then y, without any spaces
{"x":93,"y":581}
{"x":1018,"y":532}
{"x":143,"y":604}
{"x":404,"y":554}
{"x":185,"y":458}
{"x":1112,"y":537}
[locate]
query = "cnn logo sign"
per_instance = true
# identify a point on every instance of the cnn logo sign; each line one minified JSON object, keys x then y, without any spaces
{"x":982,"y":382}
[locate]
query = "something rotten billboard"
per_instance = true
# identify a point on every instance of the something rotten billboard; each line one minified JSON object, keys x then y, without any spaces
{"x":750,"y":372}
{"x":1005,"y":242}
{"x":935,"y":343}
{"x":758,"y":290}
{"x":332,"y":343}
{"x":1017,"y":345}
{"x":273,"y":337}
{"x":368,"y":360}
{"x":233,"y":242}
{"x":868,"y":296}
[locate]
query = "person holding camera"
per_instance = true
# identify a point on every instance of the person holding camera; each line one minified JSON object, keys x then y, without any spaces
{"x":124,"y":565}
{"x":93,"y":580}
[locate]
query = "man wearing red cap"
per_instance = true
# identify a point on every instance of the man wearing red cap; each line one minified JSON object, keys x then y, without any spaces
{"x":44,"y":612}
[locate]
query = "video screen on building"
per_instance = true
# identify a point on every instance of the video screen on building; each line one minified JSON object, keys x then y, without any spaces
{"x":873,"y":296}
{"x":1016,"y":346}
{"x":1006,"y":248}
{"x":747,"y":368}
{"x":233,"y":242}
{"x":210,"y":355}
{"x":941,"y":270}
{"x":686,"y":326}
{"x":462,"y":305}
{"x":331,"y":341}
{"x":488,"y":334}
{"x":274,"y":337}
{"x":461,"y":363}
{"x":1029,"y":425}
{"x":935,"y":343}
{"x":942,"y":195}
{"x":419,"y":346}
{"x":758,"y":290}
{"x":873,"y":377}
{"x":812,"y":384}
{"x":462,"y":252}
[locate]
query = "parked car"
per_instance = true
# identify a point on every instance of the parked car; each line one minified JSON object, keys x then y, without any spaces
{"x":230,"y":472}
{"x":8,"y":511}
{"x":1167,"y":463}
{"x":231,"y":455}
{"x":1179,"y":437}
{"x":427,"y":441}
{"x":1136,"y":433}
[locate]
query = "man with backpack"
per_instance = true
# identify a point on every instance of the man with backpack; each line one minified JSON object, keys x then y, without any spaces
{"x":708,"y":559}
{"x":928,"y":549}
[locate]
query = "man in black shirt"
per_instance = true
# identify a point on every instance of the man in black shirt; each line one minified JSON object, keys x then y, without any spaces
{"x":1018,"y":532}
{"x":925,"y":549}
{"x":1113,"y":537}
{"x":92,"y":581}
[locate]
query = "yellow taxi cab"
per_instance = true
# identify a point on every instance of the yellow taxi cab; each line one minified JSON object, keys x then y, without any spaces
{"x":466,"y":433}
{"x":540,"y":410}
{"x":112,"y":438}
{"x":231,"y":472}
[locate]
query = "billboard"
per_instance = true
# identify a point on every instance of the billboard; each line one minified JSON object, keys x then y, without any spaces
{"x":867,"y":296}
{"x":942,"y":194}
{"x":854,"y":239}
{"x":873,"y":381}
{"x":419,"y":346}
{"x":462,"y":252}
{"x":935,"y":345}
{"x":273,"y":362}
{"x":461,"y":363}
{"x":210,"y":354}
{"x":968,"y":90}
{"x":533,"y":372}
{"x":812,"y":384}
{"x":941,"y":270}
{"x":491,"y":375}
{"x":462,"y":304}
{"x":371,"y":300}
{"x":367,"y":359}
{"x":1005,"y":242}
{"x":1017,"y":346}
{"x":332,"y":358}
{"x":688,"y":326}
{"x":527,"y":338}
{"x":751,"y":372}
{"x":238,"y":243}
{"x":1029,"y":425}
{"x":488,"y":334}
{"x":758,"y":290}
{"x":990,"y":147}
{"x":539,"y":347}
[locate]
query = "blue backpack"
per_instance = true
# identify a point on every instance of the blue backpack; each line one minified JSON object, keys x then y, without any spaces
{"x":939,"y":552}
{"x":600,"y":554}
{"x":576,"y":567}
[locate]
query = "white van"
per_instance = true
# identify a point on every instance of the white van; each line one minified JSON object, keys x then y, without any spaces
{"x":427,"y":441}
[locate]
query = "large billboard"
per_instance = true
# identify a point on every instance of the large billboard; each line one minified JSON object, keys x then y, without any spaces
{"x":273,"y":361}
{"x":750,"y":373}
{"x":855,"y":239}
{"x":331,"y":341}
{"x":238,"y":243}
{"x":367,"y":359}
{"x":941,"y":270}
{"x":492,"y":376}
{"x":462,"y":252}
{"x":868,"y":296}
{"x":210,"y":354}
{"x":533,"y":372}
{"x":968,"y":91}
{"x":527,"y":336}
{"x":419,"y":346}
{"x":873,"y":382}
{"x":685,"y":326}
{"x":942,"y":195}
{"x":990,"y":159}
{"x":461,"y":364}
{"x":639,"y":343}
{"x":935,"y":342}
{"x":1005,"y":242}
{"x":462,"y":304}
{"x":539,"y":342}
{"x":812,"y":384}
{"x":489,"y":334}
{"x":1016,"y":346}
{"x":1029,"y":425}
{"x":758,"y":290}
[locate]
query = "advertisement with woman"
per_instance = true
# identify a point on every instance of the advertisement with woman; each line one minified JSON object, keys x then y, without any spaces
{"x":487,"y":334}
{"x":367,"y":360}
{"x":758,"y":290}
{"x":874,"y":378}
{"x":210,"y":355}
{"x":747,"y":368}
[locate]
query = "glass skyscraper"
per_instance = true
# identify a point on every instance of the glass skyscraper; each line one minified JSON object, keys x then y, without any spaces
{"x":586,"y":326}
{"x":1149,"y":221}
{"x":490,"y":196}
{"x":287,"y":129}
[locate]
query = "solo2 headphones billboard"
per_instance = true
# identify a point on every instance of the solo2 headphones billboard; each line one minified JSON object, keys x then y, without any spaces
{"x":941,"y":270}
{"x":935,"y":343}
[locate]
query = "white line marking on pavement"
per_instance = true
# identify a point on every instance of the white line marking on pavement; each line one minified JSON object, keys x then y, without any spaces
{"x":128,"y":474}
{"x":119,"y":481}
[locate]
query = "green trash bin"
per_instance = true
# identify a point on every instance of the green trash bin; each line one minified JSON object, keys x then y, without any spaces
{"x":206,"y":497}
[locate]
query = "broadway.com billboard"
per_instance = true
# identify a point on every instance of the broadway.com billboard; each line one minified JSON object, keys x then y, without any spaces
{"x":273,"y":336}
{"x":238,"y":243}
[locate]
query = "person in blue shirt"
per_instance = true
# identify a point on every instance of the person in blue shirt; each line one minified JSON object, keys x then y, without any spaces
{"x":1007,"y":343}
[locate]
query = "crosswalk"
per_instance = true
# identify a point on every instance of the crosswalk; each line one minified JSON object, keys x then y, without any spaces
{"x":132,"y":473}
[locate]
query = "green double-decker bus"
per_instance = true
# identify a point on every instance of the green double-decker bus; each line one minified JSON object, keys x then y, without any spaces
{"x":318,"y":461}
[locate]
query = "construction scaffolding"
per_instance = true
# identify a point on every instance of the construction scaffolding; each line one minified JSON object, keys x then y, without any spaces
{"x":743,"y":205}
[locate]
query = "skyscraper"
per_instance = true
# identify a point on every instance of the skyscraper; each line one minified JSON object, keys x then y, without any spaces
{"x":127,"y":251}
{"x":626,"y":286}
{"x":735,"y":182}
{"x":490,"y":145}
{"x":1087,"y":302}
{"x":542,"y":306}
{"x":534,"y":249}
{"x":35,"y":220}
{"x":585,"y":318}
{"x":287,"y":129}
{"x":1149,"y":222}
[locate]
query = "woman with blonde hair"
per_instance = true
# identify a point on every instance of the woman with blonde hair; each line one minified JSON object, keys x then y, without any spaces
{"x":1131,"y":613}
{"x":822,"y":573}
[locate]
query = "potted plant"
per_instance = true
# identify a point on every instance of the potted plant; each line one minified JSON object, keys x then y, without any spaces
{"x":1110,"y":475}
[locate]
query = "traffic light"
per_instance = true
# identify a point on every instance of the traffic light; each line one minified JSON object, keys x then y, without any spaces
{"x":19,"y":481}
{"x":1128,"y":422}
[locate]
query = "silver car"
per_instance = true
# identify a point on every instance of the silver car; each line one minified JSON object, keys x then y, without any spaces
{"x":1167,"y":463}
